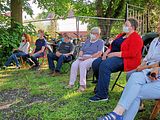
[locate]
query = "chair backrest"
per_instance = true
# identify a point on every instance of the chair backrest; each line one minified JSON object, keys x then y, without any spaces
{"x":75,"y":52}
{"x":148,"y":38}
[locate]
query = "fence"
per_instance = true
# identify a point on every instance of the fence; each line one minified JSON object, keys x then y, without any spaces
{"x":143,"y":17}
{"x":78,"y":27}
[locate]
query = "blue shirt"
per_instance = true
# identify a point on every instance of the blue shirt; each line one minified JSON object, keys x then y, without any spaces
{"x":39,"y":44}
{"x":90,"y":48}
{"x":116,"y":44}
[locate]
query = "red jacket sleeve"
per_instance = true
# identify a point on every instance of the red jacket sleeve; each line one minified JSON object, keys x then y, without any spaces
{"x":132,"y":47}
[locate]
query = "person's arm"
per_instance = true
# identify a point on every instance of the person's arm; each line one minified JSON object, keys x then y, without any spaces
{"x":105,"y":54}
{"x":96,"y":55}
{"x":117,"y":54}
{"x":40,"y":51}
{"x":149,"y":66}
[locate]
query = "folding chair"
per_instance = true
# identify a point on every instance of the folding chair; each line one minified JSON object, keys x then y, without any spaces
{"x":66,"y":66}
{"x":115,"y":83}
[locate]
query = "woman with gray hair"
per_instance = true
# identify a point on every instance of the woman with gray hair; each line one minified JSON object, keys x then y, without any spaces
{"x":92,"y":49}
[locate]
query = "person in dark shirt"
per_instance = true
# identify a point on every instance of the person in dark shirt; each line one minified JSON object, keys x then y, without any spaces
{"x":38,"y":51}
{"x":63,"y":53}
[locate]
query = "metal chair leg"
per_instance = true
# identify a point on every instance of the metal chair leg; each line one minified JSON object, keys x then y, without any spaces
{"x":115,"y":83}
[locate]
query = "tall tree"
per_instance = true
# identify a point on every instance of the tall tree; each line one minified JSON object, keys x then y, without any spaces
{"x":16,"y":12}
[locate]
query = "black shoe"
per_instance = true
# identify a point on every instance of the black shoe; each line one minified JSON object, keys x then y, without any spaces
{"x":33,"y":67}
{"x":37,"y":68}
{"x":97,"y":99}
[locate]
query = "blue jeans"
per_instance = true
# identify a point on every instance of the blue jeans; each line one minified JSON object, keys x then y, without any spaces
{"x":13,"y":57}
{"x":137,"y":89}
{"x":52,"y":57}
{"x":104,"y":68}
{"x":35,"y":56}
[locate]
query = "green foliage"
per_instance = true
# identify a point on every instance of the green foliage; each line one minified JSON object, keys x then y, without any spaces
{"x":59,"y":7}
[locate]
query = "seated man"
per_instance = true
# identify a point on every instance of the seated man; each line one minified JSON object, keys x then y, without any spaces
{"x":38,"y":51}
{"x":63,"y":53}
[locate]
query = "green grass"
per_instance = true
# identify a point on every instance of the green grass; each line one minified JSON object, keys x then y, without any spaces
{"x":58,"y":103}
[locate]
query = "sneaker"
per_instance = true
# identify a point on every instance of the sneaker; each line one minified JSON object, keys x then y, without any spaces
{"x":33,"y":67}
{"x":111,"y":116}
{"x":37,"y":68}
{"x":4,"y":67}
{"x":57,"y":73}
{"x":97,"y":99}
{"x":51,"y":72}
{"x":18,"y":67}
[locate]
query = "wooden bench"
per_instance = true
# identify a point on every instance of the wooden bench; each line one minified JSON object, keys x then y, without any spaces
{"x":155,"y":110}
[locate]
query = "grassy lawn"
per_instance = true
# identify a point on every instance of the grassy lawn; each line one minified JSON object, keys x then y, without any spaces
{"x":31,"y":95}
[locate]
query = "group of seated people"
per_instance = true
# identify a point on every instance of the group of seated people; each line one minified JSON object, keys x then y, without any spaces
{"x":124,"y":54}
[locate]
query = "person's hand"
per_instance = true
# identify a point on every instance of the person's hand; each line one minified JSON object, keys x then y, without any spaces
{"x":154,"y":73}
{"x":141,"y":67}
{"x":114,"y":54}
{"x":80,"y":54}
{"x":30,"y":54}
{"x":66,"y":55}
{"x":58,"y":54}
{"x":14,"y":49}
{"x":83,"y":58}
{"x":104,"y":57}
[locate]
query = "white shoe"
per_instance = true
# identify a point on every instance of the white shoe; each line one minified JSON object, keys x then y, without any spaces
{"x":18,"y":67}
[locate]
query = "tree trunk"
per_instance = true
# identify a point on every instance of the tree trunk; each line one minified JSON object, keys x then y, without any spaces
{"x":16,"y":12}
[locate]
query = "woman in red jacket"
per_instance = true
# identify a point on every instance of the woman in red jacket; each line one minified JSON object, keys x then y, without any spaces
{"x":123,"y":54}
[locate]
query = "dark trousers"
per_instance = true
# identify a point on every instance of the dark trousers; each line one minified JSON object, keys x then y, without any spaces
{"x":52,"y":57}
{"x":103,"y":69}
{"x":34,"y":58}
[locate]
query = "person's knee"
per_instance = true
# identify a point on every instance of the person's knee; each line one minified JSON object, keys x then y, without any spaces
{"x":137,"y":78}
{"x":129,"y":74}
{"x":62,"y":57}
{"x":74,"y":65}
{"x":104,"y":66}
{"x":50,"y":55}
{"x":95,"y":63}
{"x":13,"y":56}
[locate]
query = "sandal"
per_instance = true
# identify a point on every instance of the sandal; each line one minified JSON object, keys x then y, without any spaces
{"x":81,"y":88}
{"x":69,"y":86}
{"x":111,"y":116}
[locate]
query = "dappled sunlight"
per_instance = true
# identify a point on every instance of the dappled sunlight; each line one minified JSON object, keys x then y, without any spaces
{"x":71,"y":95}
